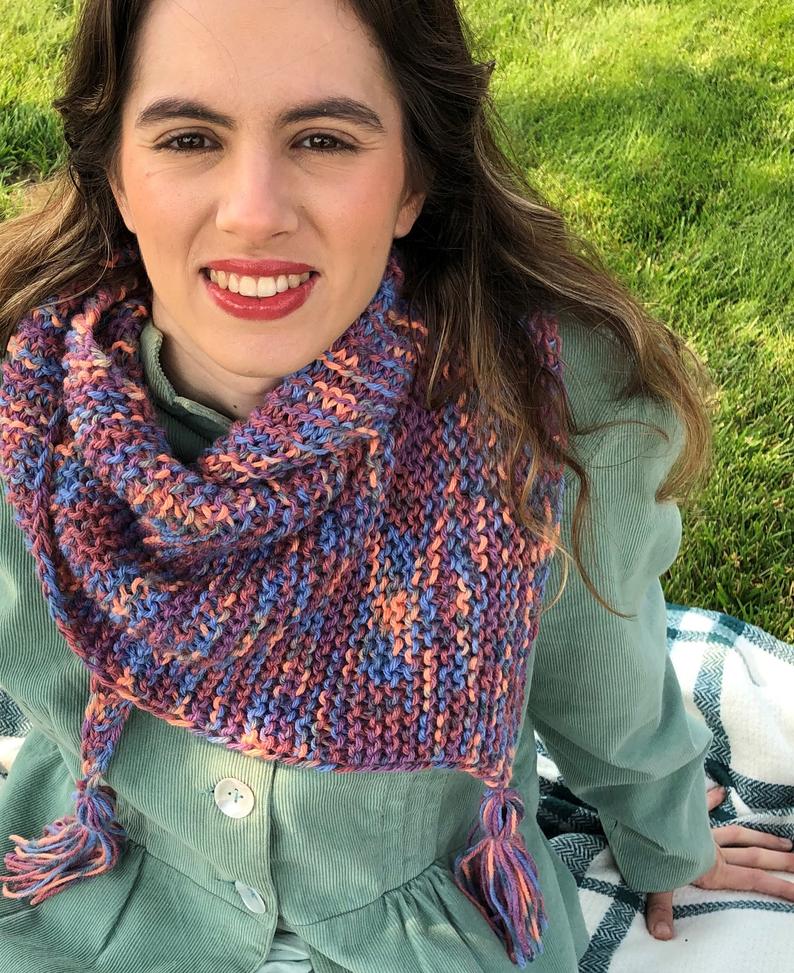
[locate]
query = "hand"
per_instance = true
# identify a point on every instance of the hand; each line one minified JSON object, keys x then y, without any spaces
{"x":744,"y":856}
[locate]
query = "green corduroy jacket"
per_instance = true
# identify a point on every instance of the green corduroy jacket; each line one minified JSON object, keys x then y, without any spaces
{"x":224,"y":848}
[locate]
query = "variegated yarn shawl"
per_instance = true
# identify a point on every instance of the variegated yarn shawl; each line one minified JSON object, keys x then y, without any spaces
{"x":337,"y":582}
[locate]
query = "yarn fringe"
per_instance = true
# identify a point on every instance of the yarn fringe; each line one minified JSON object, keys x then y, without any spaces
{"x":500,"y":877}
{"x":74,"y":847}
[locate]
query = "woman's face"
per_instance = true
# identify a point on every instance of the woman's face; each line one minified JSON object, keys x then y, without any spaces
{"x":257,"y":184}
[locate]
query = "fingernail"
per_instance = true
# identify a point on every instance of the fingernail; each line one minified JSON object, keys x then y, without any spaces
{"x":663,"y":929}
{"x":788,"y":843}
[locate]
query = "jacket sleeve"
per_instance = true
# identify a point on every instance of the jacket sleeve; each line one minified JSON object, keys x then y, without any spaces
{"x":604,"y":696}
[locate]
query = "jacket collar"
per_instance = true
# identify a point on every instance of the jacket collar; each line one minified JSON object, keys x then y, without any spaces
{"x":200,"y":418}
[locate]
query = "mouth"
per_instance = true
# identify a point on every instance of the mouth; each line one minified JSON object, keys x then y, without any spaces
{"x":267,"y":298}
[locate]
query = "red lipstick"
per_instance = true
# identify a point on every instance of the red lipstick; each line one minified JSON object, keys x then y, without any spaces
{"x":258,"y":268}
{"x":260,"y":308}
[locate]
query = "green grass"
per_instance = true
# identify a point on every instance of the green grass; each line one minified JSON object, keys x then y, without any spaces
{"x":662,"y":131}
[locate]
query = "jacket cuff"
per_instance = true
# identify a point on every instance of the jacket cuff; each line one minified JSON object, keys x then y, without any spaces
{"x":669,"y":851}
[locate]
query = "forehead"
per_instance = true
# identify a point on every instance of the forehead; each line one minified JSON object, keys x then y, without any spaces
{"x":257,"y":52}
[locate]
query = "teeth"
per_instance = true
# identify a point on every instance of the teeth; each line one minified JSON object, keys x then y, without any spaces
{"x":265,"y":287}
{"x":247,"y":287}
{"x":257,"y":286}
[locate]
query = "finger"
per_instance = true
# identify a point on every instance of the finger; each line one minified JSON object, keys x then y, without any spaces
{"x":736,"y":834}
{"x":740,"y":879}
{"x":659,"y":914}
{"x":715,"y":797}
{"x":772,"y":861}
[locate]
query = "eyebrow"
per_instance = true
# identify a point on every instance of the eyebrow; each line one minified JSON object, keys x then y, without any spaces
{"x":346,"y":109}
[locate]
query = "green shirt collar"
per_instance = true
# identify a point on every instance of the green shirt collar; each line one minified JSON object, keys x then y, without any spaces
{"x":200,"y":418}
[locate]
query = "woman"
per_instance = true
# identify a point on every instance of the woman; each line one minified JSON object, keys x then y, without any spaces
{"x":311,"y":390}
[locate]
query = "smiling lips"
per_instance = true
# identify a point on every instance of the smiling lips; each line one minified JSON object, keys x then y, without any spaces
{"x":257,"y":297}
{"x":259,"y":289}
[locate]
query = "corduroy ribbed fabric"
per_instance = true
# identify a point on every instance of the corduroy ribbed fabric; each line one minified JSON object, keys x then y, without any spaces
{"x":359,"y":865}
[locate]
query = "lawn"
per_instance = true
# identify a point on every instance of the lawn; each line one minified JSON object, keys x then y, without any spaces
{"x":663,"y":132}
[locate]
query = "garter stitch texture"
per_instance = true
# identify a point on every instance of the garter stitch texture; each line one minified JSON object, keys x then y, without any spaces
{"x":337,"y":582}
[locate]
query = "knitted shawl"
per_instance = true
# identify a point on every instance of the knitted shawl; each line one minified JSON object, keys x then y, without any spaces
{"x":337,"y":582}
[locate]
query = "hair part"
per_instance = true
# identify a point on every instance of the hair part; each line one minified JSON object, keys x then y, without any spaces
{"x":486,"y":249}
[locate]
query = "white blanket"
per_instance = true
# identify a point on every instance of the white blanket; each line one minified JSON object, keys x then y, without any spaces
{"x":740,"y":680}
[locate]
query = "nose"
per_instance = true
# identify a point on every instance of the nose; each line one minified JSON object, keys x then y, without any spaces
{"x":256,"y":198}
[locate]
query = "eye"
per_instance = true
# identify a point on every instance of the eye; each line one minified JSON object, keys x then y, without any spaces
{"x":337,"y":146}
{"x":170,"y":145}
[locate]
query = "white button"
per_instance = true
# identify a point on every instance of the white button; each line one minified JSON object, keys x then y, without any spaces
{"x":234,"y":797}
{"x":251,"y":898}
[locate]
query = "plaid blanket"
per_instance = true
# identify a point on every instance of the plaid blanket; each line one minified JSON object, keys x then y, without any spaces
{"x":740,"y":680}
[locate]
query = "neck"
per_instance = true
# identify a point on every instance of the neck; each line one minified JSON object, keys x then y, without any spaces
{"x":194,"y":381}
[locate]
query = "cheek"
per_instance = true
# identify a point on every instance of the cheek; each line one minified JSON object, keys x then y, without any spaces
{"x":363,"y":205}
{"x":155,"y":191}
{"x":166,"y":214}
{"x":166,"y":200}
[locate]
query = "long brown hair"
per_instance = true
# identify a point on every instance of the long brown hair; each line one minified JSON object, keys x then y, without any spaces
{"x":486,"y":247}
